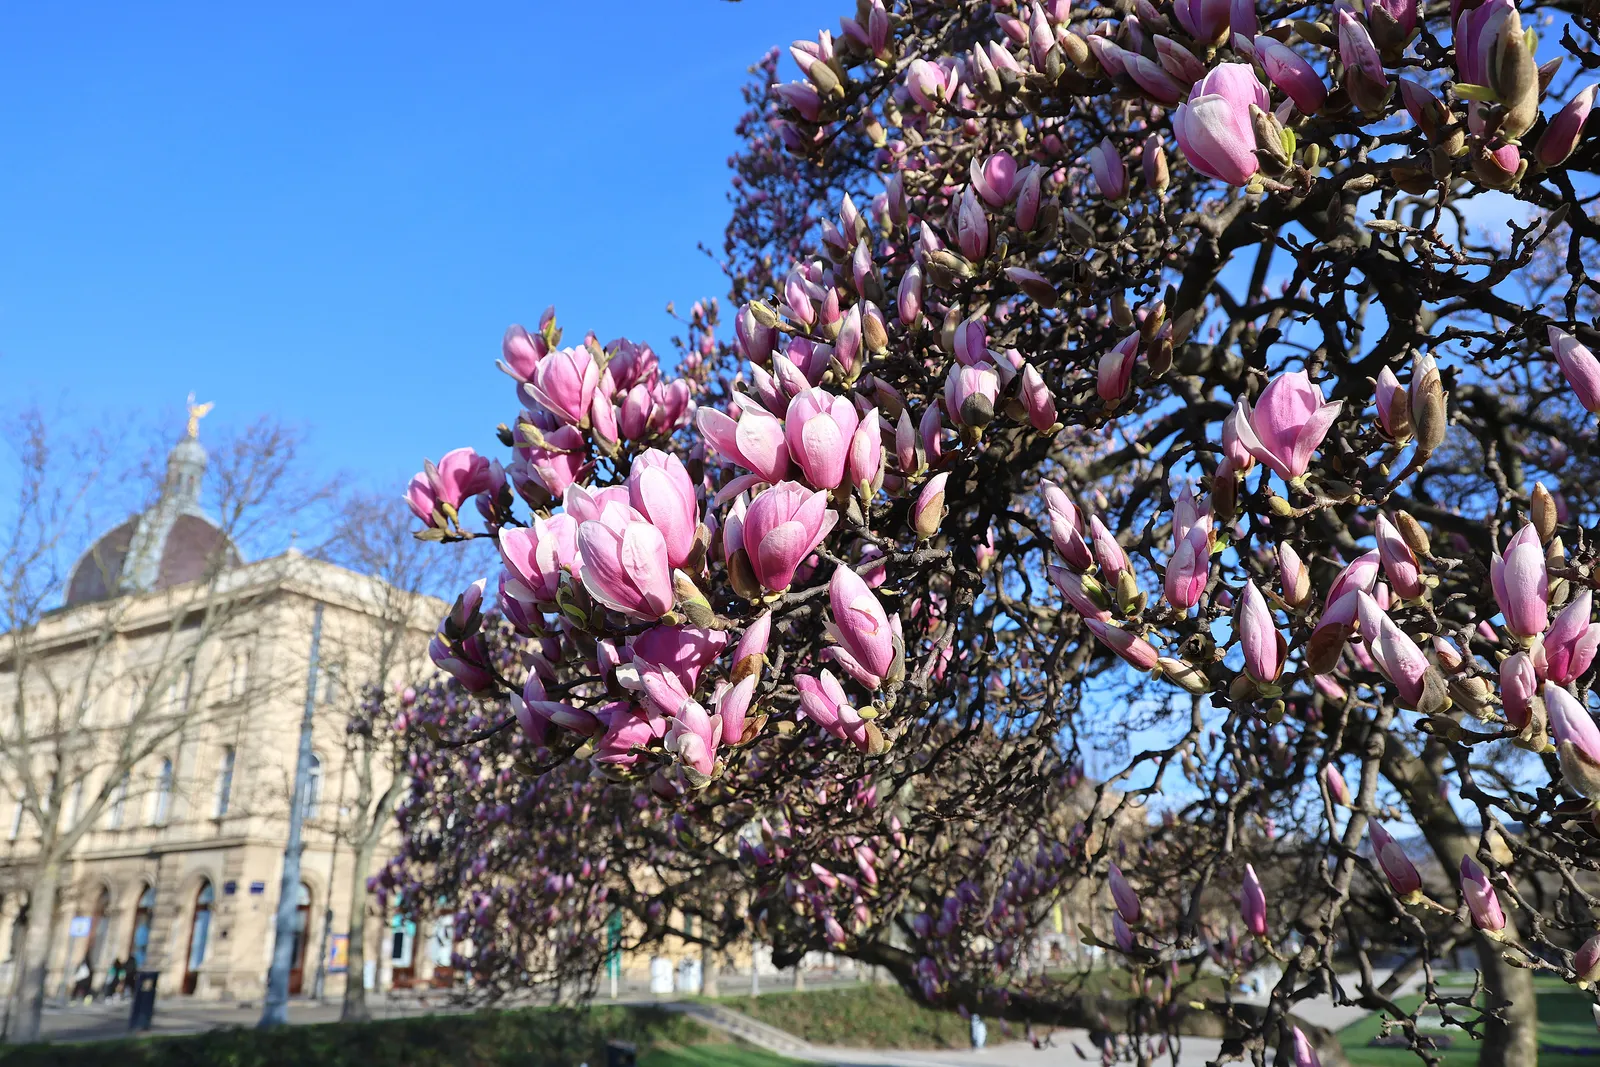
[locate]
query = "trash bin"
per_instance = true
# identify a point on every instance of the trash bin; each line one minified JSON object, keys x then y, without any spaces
{"x":144,"y":1000}
{"x":621,"y":1054}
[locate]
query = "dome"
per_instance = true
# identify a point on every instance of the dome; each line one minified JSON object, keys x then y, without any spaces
{"x":187,"y":553}
{"x":170,"y":543}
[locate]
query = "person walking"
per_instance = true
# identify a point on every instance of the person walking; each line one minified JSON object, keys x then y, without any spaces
{"x":113,"y":980}
{"x":82,"y":989}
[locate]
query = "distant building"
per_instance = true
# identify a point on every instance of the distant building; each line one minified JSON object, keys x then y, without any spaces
{"x":181,"y":871}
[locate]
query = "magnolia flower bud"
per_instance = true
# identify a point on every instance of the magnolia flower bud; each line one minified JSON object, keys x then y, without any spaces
{"x":1427,"y":404}
{"x":928,"y":512}
{"x":1544,"y":512}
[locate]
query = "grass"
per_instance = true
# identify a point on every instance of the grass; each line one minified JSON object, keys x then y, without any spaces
{"x":726,"y":1054}
{"x":867,"y":1016}
{"x":530,"y":1037}
{"x":1564,"y":1019}
{"x":871,"y":1016}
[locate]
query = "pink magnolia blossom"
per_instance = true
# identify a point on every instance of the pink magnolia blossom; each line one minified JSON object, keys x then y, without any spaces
{"x":1075,"y":587}
{"x":818,"y":428}
{"x":1287,"y":424}
{"x":1577,"y":740}
{"x":625,"y":562}
{"x":1519,"y":684}
{"x":784,"y":525}
{"x":995,"y":178}
{"x":628,"y":729}
{"x":1264,"y":647}
{"x":970,"y":393}
{"x":660,"y":490}
{"x":694,"y":736}
{"x":1396,"y":656}
{"x":1338,"y":791}
{"x":537,"y":555}
{"x":1580,"y":367}
{"x":972,"y":226}
{"x":1113,"y":560}
{"x":1397,"y":866}
{"x":1297,"y":79}
{"x":755,"y":441}
{"x":467,"y":661}
{"x":823,"y":701}
{"x":1213,"y":127}
{"x":864,"y":638}
{"x":1207,"y":21}
{"x":564,"y":384}
{"x":1110,"y":172}
{"x":1130,"y":646}
{"x":1560,"y":137}
{"x":1253,"y":903}
{"x":1122,"y":894}
{"x":459,"y":474}
{"x":535,"y":712}
{"x":521,"y":352}
{"x":1394,"y":407}
{"x":1116,"y":369}
{"x":1521,"y":584}
{"x":1066,"y":527}
{"x":1482,"y":901}
{"x":1399,"y":561}
{"x":1571,"y":641}
{"x":1188,"y":569}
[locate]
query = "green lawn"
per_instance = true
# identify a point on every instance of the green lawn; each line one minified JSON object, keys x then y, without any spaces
{"x":872,"y":1016}
{"x":867,"y":1016}
{"x":1564,"y":1019}
{"x":727,"y":1054}
{"x":532,"y":1037}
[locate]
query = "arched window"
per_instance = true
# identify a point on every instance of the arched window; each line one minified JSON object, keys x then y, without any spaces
{"x":139,"y":942}
{"x":312,"y":797}
{"x":161,"y":807}
{"x":225,"y":782}
{"x":199,"y":936}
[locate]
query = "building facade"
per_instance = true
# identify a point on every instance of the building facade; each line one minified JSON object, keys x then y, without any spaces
{"x":185,"y":674}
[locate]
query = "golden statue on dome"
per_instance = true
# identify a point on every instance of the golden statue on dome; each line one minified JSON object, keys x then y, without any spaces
{"x":196,"y":413}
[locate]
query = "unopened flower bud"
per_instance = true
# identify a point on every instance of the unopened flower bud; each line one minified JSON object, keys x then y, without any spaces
{"x":1544,"y":512}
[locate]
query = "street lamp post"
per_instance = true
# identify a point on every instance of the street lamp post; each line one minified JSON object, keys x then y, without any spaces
{"x":275,"y":1012}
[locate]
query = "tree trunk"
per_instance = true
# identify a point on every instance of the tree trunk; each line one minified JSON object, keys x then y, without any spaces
{"x":35,"y":963}
{"x":799,"y":976}
{"x":708,"y":971}
{"x":355,"y":986}
{"x":1511,"y":1041}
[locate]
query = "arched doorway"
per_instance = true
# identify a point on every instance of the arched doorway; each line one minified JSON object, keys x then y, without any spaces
{"x":99,"y":924}
{"x":199,"y":935}
{"x":139,"y":940}
{"x":302,"y":928}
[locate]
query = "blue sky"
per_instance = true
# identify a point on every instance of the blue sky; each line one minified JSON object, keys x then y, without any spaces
{"x":330,"y":212}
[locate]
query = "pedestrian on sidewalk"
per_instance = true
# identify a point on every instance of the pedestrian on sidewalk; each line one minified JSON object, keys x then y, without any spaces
{"x":82,"y":982}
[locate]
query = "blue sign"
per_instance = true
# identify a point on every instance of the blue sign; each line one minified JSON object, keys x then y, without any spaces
{"x":257,"y":888}
{"x":229,"y":888}
{"x":80,"y":926}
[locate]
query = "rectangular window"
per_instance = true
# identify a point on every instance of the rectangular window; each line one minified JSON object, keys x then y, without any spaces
{"x":161,"y":809}
{"x":225,"y":782}
{"x":119,"y":803}
{"x":239,"y":674}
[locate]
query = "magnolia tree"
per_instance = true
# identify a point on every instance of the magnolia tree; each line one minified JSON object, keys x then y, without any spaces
{"x":1198,"y":393}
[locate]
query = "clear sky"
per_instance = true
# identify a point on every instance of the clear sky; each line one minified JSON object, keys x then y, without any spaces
{"x":331,"y":211}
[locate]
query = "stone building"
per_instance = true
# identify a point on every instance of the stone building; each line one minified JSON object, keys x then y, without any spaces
{"x":179,"y":870}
